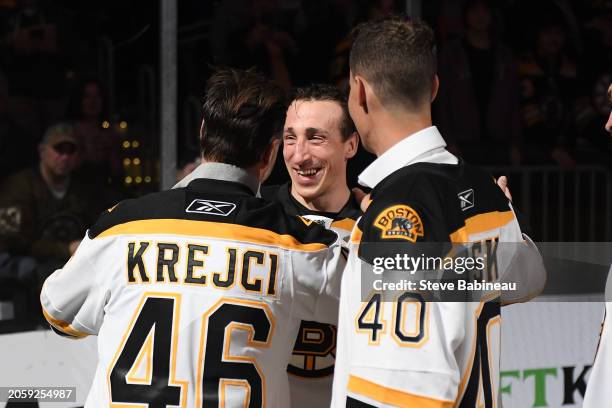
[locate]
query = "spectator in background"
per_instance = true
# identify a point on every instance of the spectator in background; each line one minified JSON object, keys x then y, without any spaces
{"x":364,"y":11}
{"x":319,"y":26}
{"x":36,"y":53}
{"x":37,"y":46}
{"x":15,"y":145}
{"x":478,"y":102}
{"x":549,"y":87}
{"x":101,"y":162}
{"x":593,"y":142}
{"x":247,"y":33}
{"x":44,"y":211}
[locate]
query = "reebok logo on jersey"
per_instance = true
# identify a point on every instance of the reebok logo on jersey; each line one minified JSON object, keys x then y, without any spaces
{"x":211,"y":207}
{"x":399,"y":221}
{"x":466,"y":199}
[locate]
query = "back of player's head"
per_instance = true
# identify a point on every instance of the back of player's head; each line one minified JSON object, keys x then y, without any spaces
{"x":242,"y":113}
{"x":397,"y":58}
{"x":326,"y":92}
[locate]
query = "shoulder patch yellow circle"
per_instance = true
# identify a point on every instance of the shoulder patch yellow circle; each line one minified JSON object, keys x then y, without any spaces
{"x":399,"y":221}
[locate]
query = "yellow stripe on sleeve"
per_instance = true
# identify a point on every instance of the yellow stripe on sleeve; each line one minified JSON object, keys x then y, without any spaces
{"x":63,"y":326}
{"x":481,"y":223}
{"x":393,"y":397}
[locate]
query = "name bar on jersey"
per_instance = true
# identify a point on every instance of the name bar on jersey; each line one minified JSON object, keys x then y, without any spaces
{"x":253,"y":271}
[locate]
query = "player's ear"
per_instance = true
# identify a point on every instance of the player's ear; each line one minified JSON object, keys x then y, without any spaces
{"x":202,"y":130}
{"x":269,"y":159}
{"x":362,"y":98}
{"x":435,"y":87}
{"x":351,"y":145}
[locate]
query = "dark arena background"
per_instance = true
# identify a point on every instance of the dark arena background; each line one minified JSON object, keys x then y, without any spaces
{"x":523,"y":93}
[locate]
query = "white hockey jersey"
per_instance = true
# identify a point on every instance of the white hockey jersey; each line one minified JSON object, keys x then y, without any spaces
{"x":312,"y":363}
{"x":196,"y":295}
{"x":599,"y":392}
{"x":397,"y":347}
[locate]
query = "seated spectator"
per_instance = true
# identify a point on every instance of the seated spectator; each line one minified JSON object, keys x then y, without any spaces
{"x":44,"y":212}
{"x":86,"y":109}
{"x":477,"y":108}
{"x":549,"y":87}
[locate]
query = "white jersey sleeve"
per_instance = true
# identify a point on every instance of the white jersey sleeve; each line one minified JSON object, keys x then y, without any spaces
{"x":312,"y":363}
{"x":324,"y":274}
{"x":73,"y":298}
{"x":524,"y":266}
{"x":599,"y":389}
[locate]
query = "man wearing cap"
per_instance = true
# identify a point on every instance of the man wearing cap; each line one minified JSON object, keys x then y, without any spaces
{"x":44,"y":211}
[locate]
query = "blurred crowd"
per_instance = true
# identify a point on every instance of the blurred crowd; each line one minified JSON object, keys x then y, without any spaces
{"x":52,"y":189}
{"x":59,"y":156}
{"x":522,"y":83}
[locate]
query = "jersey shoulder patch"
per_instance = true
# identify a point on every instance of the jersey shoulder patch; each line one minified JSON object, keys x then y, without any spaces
{"x":399,"y":221}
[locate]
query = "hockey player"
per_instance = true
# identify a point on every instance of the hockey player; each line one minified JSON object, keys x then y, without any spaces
{"x":408,"y":351}
{"x":318,"y":140}
{"x":598,"y":392}
{"x":196,"y":294}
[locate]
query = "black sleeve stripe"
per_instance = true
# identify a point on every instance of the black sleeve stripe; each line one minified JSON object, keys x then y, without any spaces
{"x":353,"y":403}
{"x":63,"y":334}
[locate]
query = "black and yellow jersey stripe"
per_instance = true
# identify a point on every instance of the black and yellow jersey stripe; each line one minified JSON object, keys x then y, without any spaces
{"x":253,"y":219}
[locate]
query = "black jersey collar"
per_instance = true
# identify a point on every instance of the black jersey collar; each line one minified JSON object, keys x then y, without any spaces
{"x":349,"y":210}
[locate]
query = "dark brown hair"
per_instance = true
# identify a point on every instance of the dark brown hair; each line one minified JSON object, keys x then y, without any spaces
{"x":325,"y":92}
{"x":398,"y":58}
{"x":242,"y":112}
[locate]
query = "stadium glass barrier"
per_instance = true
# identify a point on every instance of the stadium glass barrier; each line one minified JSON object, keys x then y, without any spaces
{"x":563,"y":206}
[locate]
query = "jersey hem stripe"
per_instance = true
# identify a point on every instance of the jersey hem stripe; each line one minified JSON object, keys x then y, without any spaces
{"x":63,"y":326}
{"x":211,"y":229}
{"x":393,"y":397}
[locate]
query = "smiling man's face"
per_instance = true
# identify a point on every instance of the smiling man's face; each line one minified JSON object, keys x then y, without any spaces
{"x":314,"y":150}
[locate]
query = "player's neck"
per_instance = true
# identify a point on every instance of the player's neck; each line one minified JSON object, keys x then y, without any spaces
{"x":392,"y":128}
{"x":332,"y":202}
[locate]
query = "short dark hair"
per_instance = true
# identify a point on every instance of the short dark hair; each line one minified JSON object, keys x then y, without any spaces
{"x":326,"y":92}
{"x":242,"y":112}
{"x":398,"y":58}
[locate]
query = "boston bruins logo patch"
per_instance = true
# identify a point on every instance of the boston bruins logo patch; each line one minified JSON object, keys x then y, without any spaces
{"x":399,"y":221}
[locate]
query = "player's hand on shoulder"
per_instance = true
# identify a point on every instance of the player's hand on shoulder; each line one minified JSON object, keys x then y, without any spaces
{"x":362,"y":198}
{"x":502,"y":182}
